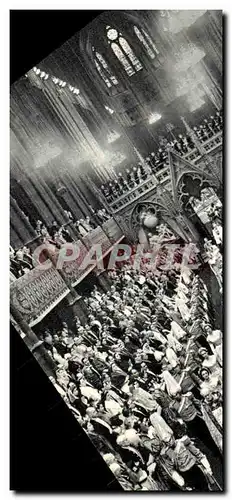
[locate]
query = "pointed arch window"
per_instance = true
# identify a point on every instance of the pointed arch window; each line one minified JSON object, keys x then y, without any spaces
{"x":146,"y":41}
{"x":104,"y":70}
{"x":123,"y":51}
{"x":102,"y":74}
{"x":123,"y":59}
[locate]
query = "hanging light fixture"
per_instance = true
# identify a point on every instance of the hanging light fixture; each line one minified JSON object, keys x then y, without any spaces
{"x":112,"y":137}
{"x":154,"y":118}
{"x":175,"y":21}
{"x":111,"y":111}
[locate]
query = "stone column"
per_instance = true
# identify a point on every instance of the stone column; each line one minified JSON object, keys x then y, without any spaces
{"x":60,"y":98}
{"x":188,"y":226}
{"x":80,"y":200}
{"x":65,"y":192}
{"x":73,"y":231}
{"x":103,"y":280}
{"x":80,"y":310}
{"x":52,"y":201}
{"x":31,"y":186}
{"x":15,"y":239}
{"x":20,"y":224}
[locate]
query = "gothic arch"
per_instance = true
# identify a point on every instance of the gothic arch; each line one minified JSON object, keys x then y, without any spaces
{"x":188,"y":179}
{"x":191,"y":184}
{"x":128,"y":20}
{"x":96,"y":36}
{"x":162,"y":215}
{"x":89,"y":45}
{"x":137,"y":210}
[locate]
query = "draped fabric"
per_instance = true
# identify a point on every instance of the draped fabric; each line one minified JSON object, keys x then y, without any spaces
{"x":172,"y":385}
{"x":161,"y":429}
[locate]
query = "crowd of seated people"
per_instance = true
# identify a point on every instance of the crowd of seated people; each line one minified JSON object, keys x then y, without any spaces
{"x":54,"y":234}
{"x":157,"y":161}
{"x":143,"y":376}
{"x":84,"y":226}
{"x":21,"y":260}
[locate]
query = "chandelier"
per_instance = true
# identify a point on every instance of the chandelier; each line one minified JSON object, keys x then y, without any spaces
{"x":111,"y":111}
{"x":154,"y":118}
{"x":114,"y":159}
{"x":176,"y":20}
{"x":112,"y":137}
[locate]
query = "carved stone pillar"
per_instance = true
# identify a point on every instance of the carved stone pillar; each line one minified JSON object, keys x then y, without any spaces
{"x":65,"y":192}
{"x":72,"y":230}
{"x":124,"y":226}
{"x":15,"y":239}
{"x":32,"y":189}
{"x":103,"y":280}
{"x":80,"y":310}
{"x":61,"y":100}
{"x":22,"y":230}
{"x":52,"y":201}
{"x":188,"y":227}
{"x":177,"y":227}
{"x":81,"y":201}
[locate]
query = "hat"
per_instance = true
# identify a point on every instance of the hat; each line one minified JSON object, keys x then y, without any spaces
{"x":204,"y":369}
{"x":202,"y":350}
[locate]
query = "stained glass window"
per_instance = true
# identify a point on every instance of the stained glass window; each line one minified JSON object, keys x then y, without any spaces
{"x":104,"y":70}
{"x":123,"y":51}
{"x":123,"y":59}
{"x":126,"y":47}
{"x":102,"y":74}
{"x":104,"y":64}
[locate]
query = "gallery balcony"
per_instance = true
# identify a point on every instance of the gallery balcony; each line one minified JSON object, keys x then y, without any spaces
{"x":38,"y":291}
{"x":212,"y":146}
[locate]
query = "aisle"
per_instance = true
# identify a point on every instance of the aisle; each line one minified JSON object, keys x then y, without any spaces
{"x":216,"y":462}
{"x":216,"y":297}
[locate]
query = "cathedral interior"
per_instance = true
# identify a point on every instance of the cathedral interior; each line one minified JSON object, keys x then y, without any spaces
{"x":117,"y":137}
